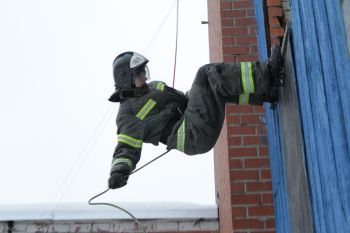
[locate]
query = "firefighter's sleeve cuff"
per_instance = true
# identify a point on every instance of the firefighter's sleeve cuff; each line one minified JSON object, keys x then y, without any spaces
{"x":123,"y":160}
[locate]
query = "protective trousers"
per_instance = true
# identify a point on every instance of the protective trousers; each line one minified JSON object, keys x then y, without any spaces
{"x":215,"y":85}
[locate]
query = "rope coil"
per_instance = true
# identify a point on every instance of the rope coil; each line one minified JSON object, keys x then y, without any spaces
{"x":139,"y":224}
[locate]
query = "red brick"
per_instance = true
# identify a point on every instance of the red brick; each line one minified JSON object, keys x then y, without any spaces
{"x":234,"y":141}
{"x":263,"y":151}
{"x":237,"y":188}
{"x":244,"y":175}
{"x":261,"y":231}
{"x":238,"y":212}
{"x":265,"y":174}
{"x":247,"y":21}
{"x":228,"y":40}
{"x":270,"y":223}
{"x":253,"y":49}
{"x":241,"y":199}
{"x":240,"y":31}
{"x":229,"y":58}
{"x":227,"y":31}
{"x":233,"y":13}
{"x":236,"y":50}
{"x":247,"y":224}
{"x":233,"y":108}
{"x":251,"y":119}
{"x":273,"y":2}
{"x":259,"y":109}
{"x":267,"y":198}
{"x":273,"y":22}
{"x":225,"y":5}
{"x":246,"y":40}
{"x":252,"y":30}
{"x":274,"y":11}
{"x":241,"y":130}
{"x":277,"y":31}
{"x":251,"y":140}
{"x":235,"y":163}
{"x":226,"y":22}
{"x":242,"y":152}
{"x":258,"y":186}
{"x":246,"y":58}
{"x":233,"y":119}
{"x":260,"y":211}
{"x":250,"y":12}
{"x":256,"y":163}
{"x":182,"y":231}
{"x":236,"y":31}
{"x":261,"y":130}
{"x":242,"y":4}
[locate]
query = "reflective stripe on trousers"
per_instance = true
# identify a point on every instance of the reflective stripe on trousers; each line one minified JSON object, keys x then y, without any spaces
{"x":247,"y":81}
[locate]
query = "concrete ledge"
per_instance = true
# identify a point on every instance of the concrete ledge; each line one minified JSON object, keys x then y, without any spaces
{"x":82,"y":218}
{"x":205,"y":225}
{"x":82,"y":211}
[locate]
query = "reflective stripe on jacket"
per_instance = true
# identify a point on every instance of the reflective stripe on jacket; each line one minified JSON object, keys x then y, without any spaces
{"x":148,"y":118}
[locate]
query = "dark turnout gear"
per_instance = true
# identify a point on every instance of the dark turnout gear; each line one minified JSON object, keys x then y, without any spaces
{"x":191,"y":125}
{"x":275,"y":66}
{"x":119,"y":175}
{"x":125,"y":67}
{"x":214,"y":86}
{"x":149,"y":118}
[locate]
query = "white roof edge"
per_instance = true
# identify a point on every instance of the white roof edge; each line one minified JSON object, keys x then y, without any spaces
{"x":81,"y":211}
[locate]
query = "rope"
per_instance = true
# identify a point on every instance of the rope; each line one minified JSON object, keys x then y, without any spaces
{"x":139,"y":224}
{"x":157,"y":31}
{"x":106,"y":114}
{"x":176,"y":39}
{"x":149,"y":162}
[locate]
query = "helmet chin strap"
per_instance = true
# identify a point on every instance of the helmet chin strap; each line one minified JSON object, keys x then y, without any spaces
{"x":133,"y":92}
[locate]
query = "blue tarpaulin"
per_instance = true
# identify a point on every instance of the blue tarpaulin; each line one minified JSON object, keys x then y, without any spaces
{"x":322,"y":75}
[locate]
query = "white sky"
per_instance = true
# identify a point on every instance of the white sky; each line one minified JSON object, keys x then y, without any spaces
{"x":56,"y":76}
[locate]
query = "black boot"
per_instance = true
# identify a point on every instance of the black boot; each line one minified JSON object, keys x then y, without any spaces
{"x":276,"y":75}
{"x":275,"y":64}
{"x":259,"y":99}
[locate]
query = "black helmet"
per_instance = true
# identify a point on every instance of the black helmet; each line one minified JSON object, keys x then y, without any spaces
{"x":125,"y":66}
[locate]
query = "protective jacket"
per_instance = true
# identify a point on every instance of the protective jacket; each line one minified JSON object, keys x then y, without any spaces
{"x":190,"y":125}
{"x":149,"y":118}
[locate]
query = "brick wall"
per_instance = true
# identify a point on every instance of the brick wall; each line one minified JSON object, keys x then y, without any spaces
{"x":215,"y":32}
{"x":277,"y":19}
{"x":242,"y":173}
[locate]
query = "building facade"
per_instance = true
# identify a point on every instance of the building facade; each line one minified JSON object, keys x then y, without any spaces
{"x":308,"y":130}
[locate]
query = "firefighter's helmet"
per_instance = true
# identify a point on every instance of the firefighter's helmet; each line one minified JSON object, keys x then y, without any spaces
{"x":125,"y":67}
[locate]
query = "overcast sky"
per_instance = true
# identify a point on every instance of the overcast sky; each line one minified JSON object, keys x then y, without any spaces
{"x":57,"y":129}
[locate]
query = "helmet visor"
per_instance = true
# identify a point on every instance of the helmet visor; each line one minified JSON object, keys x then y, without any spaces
{"x":143,"y":70}
{"x":147,"y":74}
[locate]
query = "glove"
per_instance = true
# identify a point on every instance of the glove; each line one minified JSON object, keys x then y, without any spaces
{"x":119,"y":176}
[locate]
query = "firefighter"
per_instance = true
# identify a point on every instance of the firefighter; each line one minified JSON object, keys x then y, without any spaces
{"x":153,"y":112}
